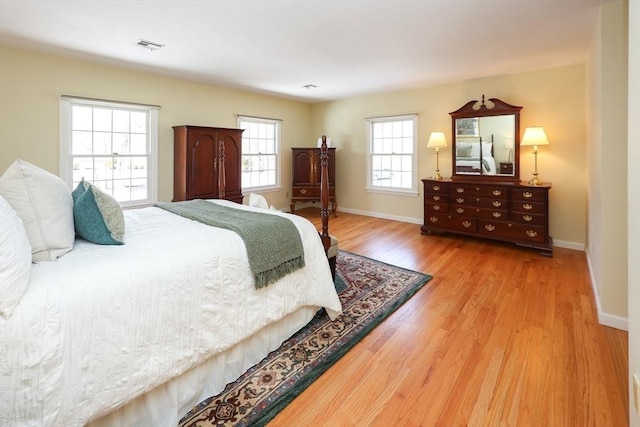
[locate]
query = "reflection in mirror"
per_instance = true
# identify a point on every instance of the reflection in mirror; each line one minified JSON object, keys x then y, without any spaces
{"x":495,"y":135}
{"x":485,"y":140}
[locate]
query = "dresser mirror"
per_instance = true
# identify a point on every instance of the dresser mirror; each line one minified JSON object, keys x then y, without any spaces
{"x":486,"y":141}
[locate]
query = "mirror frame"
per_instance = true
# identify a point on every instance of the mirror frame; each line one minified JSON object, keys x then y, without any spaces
{"x":472,"y":110}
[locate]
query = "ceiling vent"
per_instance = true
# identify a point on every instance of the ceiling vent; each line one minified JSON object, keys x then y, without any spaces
{"x":149,"y":45}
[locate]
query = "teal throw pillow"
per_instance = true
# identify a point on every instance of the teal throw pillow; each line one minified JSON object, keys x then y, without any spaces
{"x":79,"y":191}
{"x":463,"y":152}
{"x":97,"y":216}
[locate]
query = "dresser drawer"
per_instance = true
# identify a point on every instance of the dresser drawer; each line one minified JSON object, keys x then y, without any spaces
{"x":436,"y":207}
{"x":502,"y":215}
{"x":306,"y":191}
{"x":499,"y":204}
{"x":464,"y":210}
{"x":436,"y":188}
{"x":479,"y":191}
{"x":529,"y":194}
{"x":528,"y":207}
{"x":436,"y":220}
{"x":435,"y":198}
{"x":466,"y":224}
{"x":462,"y":199}
{"x":510,"y":230}
{"x":452,"y":223}
{"x":528,"y":218}
{"x":479,"y":202}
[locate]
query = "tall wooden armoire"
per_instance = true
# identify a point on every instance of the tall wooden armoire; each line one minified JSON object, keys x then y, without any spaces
{"x":207,"y":163}
{"x":306,"y":176}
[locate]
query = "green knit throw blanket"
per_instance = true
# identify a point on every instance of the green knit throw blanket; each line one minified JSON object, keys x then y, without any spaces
{"x":274,"y":247}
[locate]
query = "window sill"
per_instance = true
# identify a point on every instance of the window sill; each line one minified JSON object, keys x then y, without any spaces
{"x":393,"y":192}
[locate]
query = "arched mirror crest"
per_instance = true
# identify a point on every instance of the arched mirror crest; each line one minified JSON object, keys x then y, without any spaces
{"x":486,"y":141}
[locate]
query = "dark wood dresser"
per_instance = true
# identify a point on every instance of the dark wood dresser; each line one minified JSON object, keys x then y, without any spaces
{"x":511,"y":212}
{"x":305,"y":170}
{"x":207,"y":163}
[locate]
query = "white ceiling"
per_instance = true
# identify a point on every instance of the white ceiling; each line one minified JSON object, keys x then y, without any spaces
{"x":344,"y":47}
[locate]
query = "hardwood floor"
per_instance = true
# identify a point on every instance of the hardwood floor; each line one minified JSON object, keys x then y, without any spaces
{"x":499,"y":337}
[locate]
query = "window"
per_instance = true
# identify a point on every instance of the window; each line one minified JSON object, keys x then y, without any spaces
{"x":260,"y":153}
{"x":112,"y":145}
{"x":392,"y":157}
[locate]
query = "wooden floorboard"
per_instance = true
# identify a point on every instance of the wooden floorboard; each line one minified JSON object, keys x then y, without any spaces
{"x":501,"y":336}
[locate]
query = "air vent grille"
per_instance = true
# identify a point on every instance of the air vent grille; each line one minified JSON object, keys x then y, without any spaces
{"x":149,"y":45}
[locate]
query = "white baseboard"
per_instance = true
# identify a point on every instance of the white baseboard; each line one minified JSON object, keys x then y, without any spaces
{"x":383,"y":216}
{"x":606,"y":319}
{"x":568,"y":245}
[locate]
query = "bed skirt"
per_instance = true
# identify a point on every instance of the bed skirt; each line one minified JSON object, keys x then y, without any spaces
{"x":166,"y":404}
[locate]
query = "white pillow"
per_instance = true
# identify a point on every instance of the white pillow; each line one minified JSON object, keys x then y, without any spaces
{"x":43,"y":202}
{"x":15,"y":259}
{"x":258,"y":201}
{"x":486,"y":149}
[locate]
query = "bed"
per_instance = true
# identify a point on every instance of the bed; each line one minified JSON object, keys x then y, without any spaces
{"x":138,"y":333}
{"x":470,"y":159}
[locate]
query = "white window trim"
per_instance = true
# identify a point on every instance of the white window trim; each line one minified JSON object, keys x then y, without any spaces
{"x":66,"y":162}
{"x":413,"y":191}
{"x":278,"y":184}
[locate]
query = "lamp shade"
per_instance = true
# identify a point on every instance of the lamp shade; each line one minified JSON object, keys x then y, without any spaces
{"x":437,"y":140}
{"x":534,"y":136}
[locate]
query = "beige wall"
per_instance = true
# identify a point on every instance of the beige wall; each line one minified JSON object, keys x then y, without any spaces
{"x":553,"y":98}
{"x":607,"y":167}
{"x":31,"y":85}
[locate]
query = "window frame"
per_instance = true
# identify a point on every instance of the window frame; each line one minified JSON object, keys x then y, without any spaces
{"x":370,"y":123}
{"x":277,"y":185}
{"x":66,"y":153}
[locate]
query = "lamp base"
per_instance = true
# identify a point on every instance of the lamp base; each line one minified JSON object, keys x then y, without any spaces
{"x":535,"y":180}
{"x":437,"y":176}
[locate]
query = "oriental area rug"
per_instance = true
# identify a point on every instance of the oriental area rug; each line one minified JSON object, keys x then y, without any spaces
{"x":369,"y":290}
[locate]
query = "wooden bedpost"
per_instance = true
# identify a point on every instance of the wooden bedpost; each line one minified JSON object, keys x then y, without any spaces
{"x":222,"y":179}
{"x":324,"y":194}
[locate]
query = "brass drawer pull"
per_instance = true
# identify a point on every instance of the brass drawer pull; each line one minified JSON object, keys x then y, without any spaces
{"x":527,"y":206}
{"x":466,"y":224}
{"x":460,"y":189}
{"x":532,"y":233}
{"x":460,"y":210}
{"x":436,"y":187}
{"x":436,"y":198}
{"x":527,"y":217}
{"x":527,"y":195}
{"x":303,"y":191}
{"x":490,"y":227}
{"x":497,"y":192}
{"x":497,"y":214}
{"x":497,"y":204}
{"x":460,"y":200}
{"x":433,"y":218}
{"x":436,"y":207}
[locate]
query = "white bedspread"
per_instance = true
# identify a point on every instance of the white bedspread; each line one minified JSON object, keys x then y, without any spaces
{"x":104,"y":324}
